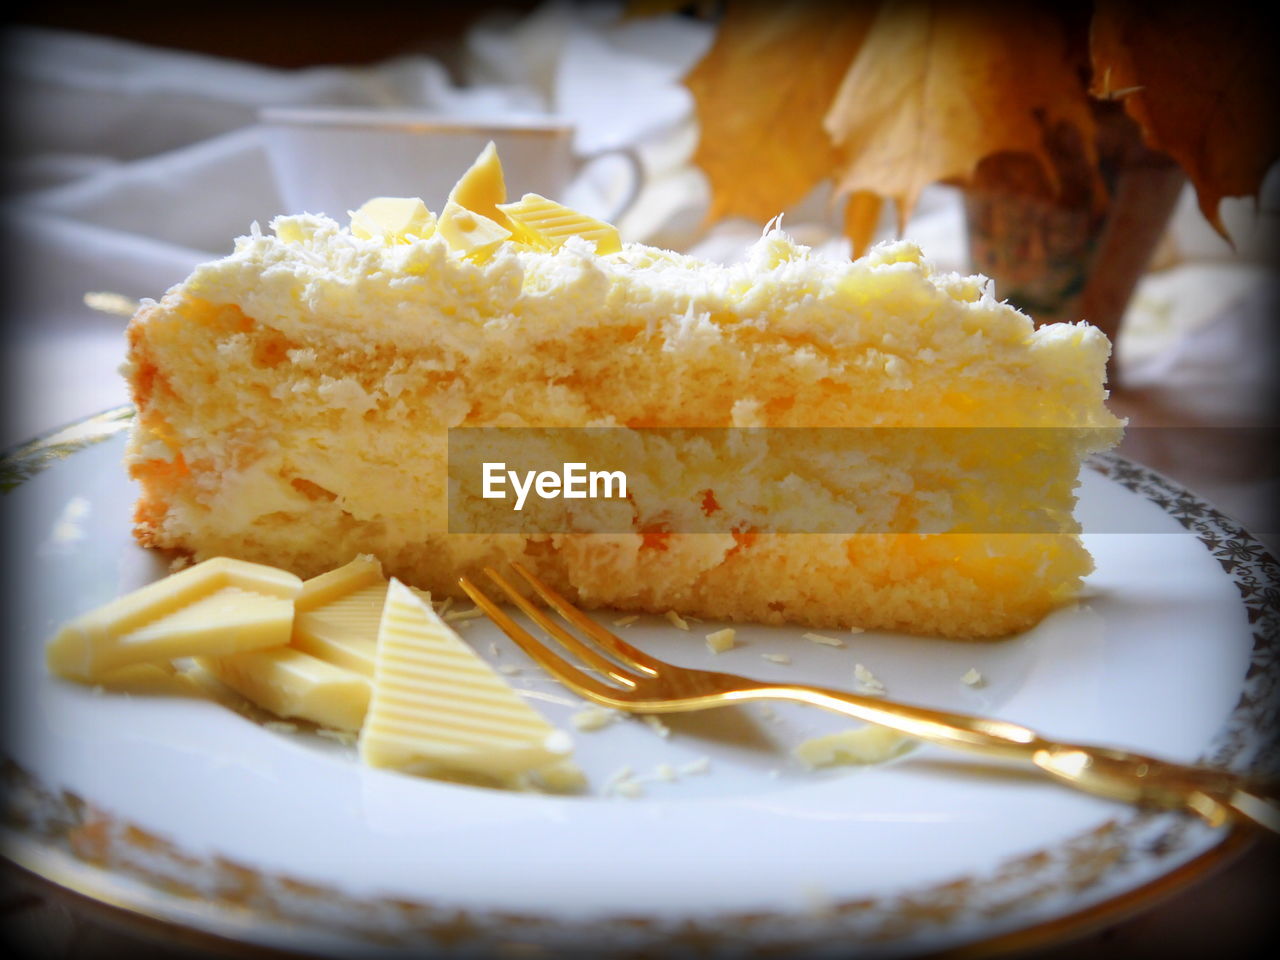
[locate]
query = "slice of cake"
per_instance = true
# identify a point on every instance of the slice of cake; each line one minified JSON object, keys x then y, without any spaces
{"x":294,"y":401}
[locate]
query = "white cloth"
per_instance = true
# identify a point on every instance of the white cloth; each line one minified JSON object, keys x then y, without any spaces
{"x":129,"y":165}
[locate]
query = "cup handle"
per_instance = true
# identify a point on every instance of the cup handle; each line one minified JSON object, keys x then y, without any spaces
{"x":636,"y":170}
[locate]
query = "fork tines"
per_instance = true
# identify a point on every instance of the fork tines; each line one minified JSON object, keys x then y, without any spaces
{"x":625,"y":664}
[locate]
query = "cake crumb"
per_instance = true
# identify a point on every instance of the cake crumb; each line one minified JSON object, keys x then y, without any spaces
{"x":445,"y":605}
{"x":510,"y":669}
{"x":560,"y":776}
{"x":493,"y":649}
{"x":629,"y":789}
{"x":857,"y":629}
{"x":180,"y":562}
{"x":458,"y":615}
{"x":776,"y":657}
{"x":656,"y":725}
{"x":868,"y":680}
{"x":281,"y":726}
{"x":345,"y":737}
{"x":113,"y":303}
{"x":973,"y":678}
{"x":856,"y":747}
{"x":623,"y":783}
{"x":593,"y":718}
{"x":627,"y":620}
{"x":721,"y":640}
{"x":676,"y":620}
{"x":666,"y":771}
{"x":824,"y":640}
{"x":695,"y":767}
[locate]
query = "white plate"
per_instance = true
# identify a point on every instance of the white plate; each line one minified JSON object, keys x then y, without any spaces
{"x":182,"y":809}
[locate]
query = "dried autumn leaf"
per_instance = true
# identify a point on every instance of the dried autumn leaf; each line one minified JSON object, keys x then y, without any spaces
{"x":938,"y":86}
{"x":1200,"y":85}
{"x":861,"y":217}
{"x":760,"y":94}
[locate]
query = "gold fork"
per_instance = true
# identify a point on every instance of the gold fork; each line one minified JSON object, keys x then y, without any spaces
{"x":629,"y":679}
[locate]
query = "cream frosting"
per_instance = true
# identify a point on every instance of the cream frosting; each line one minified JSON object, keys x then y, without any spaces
{"x":311,"y":271}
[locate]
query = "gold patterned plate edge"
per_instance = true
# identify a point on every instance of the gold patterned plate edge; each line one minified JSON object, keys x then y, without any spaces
{"x":71,"y":844}
{"x":19,"y":464}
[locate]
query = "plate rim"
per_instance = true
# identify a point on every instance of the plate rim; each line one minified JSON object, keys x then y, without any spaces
{"x":66,"y":826}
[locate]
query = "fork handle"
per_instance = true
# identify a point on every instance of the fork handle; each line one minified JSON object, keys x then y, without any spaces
{"x":1217,"y":796}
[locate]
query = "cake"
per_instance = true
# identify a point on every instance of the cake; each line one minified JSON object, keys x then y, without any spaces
{"x":294,"y":401}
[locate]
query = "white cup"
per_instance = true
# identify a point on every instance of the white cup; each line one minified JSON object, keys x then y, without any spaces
{"x":330,"y":160}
